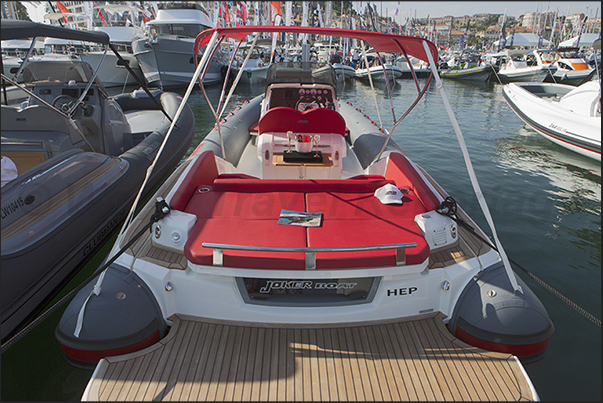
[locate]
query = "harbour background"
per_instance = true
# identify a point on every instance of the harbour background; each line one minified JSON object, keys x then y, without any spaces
{"x":545,"y":202}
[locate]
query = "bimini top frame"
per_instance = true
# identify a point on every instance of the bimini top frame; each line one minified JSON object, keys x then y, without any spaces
{"x":420,"y":48}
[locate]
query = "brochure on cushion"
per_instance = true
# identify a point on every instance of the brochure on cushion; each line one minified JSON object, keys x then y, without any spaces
{"x":301,"y":218}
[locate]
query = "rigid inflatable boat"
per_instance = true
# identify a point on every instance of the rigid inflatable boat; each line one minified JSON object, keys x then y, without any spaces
{"x":568,"y":116}
{"x":81,"y":157}
{"x":299,"y":210}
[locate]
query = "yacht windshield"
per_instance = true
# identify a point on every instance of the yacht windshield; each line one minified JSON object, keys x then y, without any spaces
{"x":182,"y":30}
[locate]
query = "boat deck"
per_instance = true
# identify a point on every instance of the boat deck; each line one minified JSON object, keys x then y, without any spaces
{"x":414,"y":360}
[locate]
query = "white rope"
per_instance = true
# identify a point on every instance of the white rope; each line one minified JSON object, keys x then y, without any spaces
{"x":97,"y":286}
{"x":189,"y":90}
{"x":472,"y":176}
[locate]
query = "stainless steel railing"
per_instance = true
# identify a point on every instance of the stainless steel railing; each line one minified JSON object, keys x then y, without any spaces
{"x":310,"y":253}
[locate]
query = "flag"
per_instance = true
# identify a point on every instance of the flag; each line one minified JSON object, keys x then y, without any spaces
{"x":244,"y":12}
{"x":462,"y":38}
{"x":581,"y":29}
{"x":503,"y":38}
{"x":62,"y":9}
{"x":275,"y":10}
{"x":226,"y":14}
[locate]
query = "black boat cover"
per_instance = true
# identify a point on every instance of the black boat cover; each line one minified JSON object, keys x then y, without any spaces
{"x":17,"y":29}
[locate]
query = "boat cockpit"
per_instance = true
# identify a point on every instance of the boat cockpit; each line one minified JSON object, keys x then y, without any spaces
{"x":51,"y":121}
{"x":300,"y":131}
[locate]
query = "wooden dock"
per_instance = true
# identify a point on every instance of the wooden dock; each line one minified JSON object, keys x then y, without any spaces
{"x":411,"y":360}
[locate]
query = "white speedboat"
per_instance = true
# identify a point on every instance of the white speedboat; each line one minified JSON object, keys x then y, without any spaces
{"x":416,"y":66}
{"x":570,"y":68}
{"x":255,"y":70}
{"x":567,"y":115}
{"x":517,"y":65}
{"x":164,"y":54}
{"x":378,"y":73}
{"x":297,"y":210}
{"x":478,"y":73}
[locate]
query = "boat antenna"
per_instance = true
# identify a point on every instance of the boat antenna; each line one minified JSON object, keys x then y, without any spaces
{"x":470,"y":170}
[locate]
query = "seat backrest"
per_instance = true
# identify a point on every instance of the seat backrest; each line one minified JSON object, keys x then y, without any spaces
{"x":203,"y":172}
{"x":318,"y":120}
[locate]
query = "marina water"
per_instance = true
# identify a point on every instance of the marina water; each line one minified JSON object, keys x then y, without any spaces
{"x":544,"y":199}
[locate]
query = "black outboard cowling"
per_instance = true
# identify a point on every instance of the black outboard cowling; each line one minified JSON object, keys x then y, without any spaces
{"x":123,"y":318}
{"x":491,"y":316}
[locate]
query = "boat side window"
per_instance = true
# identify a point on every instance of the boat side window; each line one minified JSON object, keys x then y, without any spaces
{"x":183,"y":30}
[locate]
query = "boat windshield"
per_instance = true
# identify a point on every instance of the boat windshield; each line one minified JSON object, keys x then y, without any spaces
{"x":58,"y":70}
{"x":302,"y":73}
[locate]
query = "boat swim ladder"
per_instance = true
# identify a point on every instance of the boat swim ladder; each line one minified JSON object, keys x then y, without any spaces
{"x":472,"y":176}
{"x":97,"y":287}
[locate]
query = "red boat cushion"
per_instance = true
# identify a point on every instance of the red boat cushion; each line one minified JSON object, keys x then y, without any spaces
{"x":380,"y":231}
{"x":318,"y":120}
{"x":362,"y":206}
{"x":242,"y":210}
{"x":244,"y":205}
{"x":404,"y":174}
{"x":203,"y":173}
{"x":251,"y":233}
{"x":362,"y":183}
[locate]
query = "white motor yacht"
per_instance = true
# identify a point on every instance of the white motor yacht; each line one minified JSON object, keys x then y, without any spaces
{"x":165,"y":53}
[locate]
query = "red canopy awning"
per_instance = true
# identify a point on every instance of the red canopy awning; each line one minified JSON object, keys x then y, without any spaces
{"x":381,"y":42}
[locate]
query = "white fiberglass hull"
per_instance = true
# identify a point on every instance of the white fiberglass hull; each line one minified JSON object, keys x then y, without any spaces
{"x":110,"y":73}
{"x":168,"y":62}
{"x":376,"y":73}
{"x":527,"y":74}
{"x":540,"y":107}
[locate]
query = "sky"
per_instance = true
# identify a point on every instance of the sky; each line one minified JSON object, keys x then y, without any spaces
{"x":460,"y":8}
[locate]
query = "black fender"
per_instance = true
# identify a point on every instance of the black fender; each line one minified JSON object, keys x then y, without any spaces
{"x":490,"y":315}
{"x":125,"y":317}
